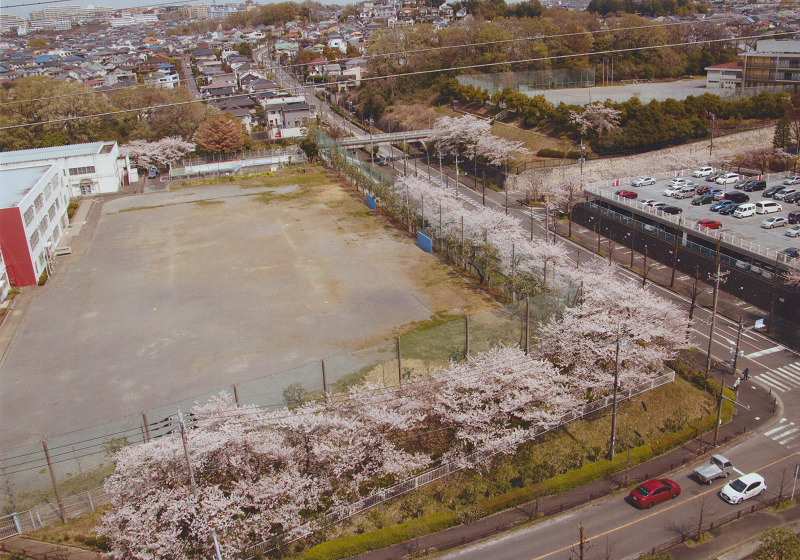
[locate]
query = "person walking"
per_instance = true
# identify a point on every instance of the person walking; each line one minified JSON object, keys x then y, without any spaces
{"x":736,"y":385}
{"x":746,"y":373}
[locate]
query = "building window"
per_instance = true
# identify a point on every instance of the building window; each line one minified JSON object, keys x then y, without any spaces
{"x":29,"y":215}
{"x":52,"y":212}
{"x":81,"y":170}
{"x":43,"y":225}
{"x":39,"y":202}
{"x":34,"y":240}
{"x":47,"y":190}
{"x":86,"y":188}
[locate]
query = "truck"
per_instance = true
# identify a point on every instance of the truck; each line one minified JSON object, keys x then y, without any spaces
{"x":718,"y":467}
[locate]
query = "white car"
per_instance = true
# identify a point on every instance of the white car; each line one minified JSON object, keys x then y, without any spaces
{"x":743,"y":488}
{"x":658,"y":205}
{"x":679,"y":181}
{"x":727,"y":179}
{"x":775,"y":221}
{"x":647,"y":202}
{"x":643,"y":181}
{"x":672,"y":191}
{"x":793,"y":231}
{"x":703,"y":172}
{"x":793,"y":180}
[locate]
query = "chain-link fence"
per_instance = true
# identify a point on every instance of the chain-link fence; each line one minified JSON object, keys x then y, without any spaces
{"x":531,"y":82}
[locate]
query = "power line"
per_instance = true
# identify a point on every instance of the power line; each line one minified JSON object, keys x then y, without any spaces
{"x":34,"y":3}
{"x":395,"y":53}
{"x":407,"y":74}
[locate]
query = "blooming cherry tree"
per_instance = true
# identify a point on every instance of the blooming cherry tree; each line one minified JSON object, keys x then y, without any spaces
{"x":146,"y":154}
{"x":595,"y":117}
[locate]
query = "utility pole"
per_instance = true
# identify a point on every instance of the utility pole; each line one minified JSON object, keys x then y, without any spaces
{"x":719,"y":411}
{"x":717,"y":277}
{"x":614,"y":399}
{"x":192,"y":483}
{"x":713,"y":119}
{"x":61,"y":509}
{"x":736,"y":350}
{"x":371,"y":147}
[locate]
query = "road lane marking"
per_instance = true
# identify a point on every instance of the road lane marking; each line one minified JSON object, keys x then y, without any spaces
{"x":740,"y":473}
{"x":660,"y":511}
{"x":765,"y":352}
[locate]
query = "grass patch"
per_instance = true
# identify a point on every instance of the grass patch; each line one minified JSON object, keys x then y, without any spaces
{"x":293,"y":175}
{"x":137,"y":208}
{"x":81,"y":531}
{"x":69,"y":485}
{"x":209,"y":202}
{"x":704,"y":537}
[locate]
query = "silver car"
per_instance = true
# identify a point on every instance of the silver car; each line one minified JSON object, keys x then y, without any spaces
{"x":643,"y":181}
{"x":793,"y":180}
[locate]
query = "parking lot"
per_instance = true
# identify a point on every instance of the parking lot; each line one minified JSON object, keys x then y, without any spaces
{"x":747,"y":229}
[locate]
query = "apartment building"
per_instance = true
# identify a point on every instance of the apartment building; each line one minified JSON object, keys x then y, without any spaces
{"x":775,"y":63}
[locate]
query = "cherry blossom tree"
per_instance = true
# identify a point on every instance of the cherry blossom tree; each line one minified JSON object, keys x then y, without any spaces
{"x":596,"y":118}
{"x":582,"y":342}
{"x":146,"y":154}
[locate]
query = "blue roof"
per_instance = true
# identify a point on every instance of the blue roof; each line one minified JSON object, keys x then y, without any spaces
{"x":166,"y":66}
{"x":55,"y":152}
{"x":16,"y":183}
{"x":45,"y":58}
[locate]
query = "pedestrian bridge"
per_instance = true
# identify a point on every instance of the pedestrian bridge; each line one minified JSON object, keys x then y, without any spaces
{"x":385,"y":138}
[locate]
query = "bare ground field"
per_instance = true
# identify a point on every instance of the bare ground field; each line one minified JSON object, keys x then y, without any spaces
{"x":185,"y":292}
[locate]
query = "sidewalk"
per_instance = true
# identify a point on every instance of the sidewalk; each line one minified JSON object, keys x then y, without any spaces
{"x":33,"y":548}
{"x":761,"y":406}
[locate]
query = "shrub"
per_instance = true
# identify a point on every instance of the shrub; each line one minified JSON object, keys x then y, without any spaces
{"x":358,"y":544}
{"x":42,"y":278}
{"x":71,"y":208}
{"x":551,"y":153}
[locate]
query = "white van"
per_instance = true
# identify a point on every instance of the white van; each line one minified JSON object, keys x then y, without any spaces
{"x":727,"y":179}
{"x":767,"y":207}
{"x":745,"y":210}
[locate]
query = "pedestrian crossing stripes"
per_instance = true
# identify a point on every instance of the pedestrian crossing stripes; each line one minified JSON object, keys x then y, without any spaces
{"x":781,"y":379}
{"x":785,"y":433}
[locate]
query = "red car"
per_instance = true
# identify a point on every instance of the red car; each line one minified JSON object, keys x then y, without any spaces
{"x":626,"y":194}
{"x":654,"y":492}
{"x":710,"y":224}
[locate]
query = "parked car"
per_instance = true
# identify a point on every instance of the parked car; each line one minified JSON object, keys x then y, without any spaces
{"x":672,"y":191}
{"x":679,"y":181}
{"x":643,"y":181}
{"x":713,"y":177}
{"x":705,"y":199}
{"x":792,"y":198}
{"x":659,"y":205}
{"x":685,"y":192}
{"x":152,"y":173}
{"x":727,"y":179}
{"x":790,"y":252}
{"x":737,"y":197}
{"x":742,"y":184}
{"x":710,"y":224}
{"x":626,"y":194}
{"x":757,"y":185}
{"x":671,"y":210}
{"x":743,"y":488}
{"x":793,"y":231}
{"x":793,"y":217}
{"x":783,"y":193}
{"x":770,"y":192}
{"x":647,"y":201}
{"x":653,"y":492}
{"x":720,"y":204}
{"x":773,"y":222}
{"x":703,"y":172}
{"x":718,"y":467}
{"x":729,"y":210}
{"x":793,"y":180}
{"x":768,"y":207}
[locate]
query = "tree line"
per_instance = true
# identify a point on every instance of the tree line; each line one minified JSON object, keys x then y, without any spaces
{"x":656,"y":123}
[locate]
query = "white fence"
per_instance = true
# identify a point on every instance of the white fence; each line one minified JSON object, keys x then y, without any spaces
{"x":344,"y":512}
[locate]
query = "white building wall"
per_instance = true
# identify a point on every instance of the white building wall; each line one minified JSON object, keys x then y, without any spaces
{"x":5,"y":285}
{"x":44,"y":217}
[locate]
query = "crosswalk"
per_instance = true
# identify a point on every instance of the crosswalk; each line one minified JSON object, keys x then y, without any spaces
{"x":781,"y":379}
{"x":785,"y":433}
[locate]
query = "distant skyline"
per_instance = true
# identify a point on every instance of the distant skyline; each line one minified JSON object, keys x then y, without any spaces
{"x":24,"y":11}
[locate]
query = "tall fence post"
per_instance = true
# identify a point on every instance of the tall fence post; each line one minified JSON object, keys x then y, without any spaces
{"x":236,"y":395}
{"x":466,"y":336}
{"x":55,"y":484}
{"x":399,"y":364}
{"x":324,"y":380}
{"x":146,"y":426}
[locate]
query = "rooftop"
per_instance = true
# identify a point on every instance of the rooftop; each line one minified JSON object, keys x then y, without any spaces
{"x":54,"y":152}
{"x":16,"y":183}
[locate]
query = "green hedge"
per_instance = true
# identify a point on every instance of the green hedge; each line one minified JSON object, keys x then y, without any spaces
{"x":551,"y":153}
{"x":358,"y":544}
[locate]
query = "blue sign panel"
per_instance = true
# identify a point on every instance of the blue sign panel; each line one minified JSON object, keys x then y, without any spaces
{"x":370,"y":201}
{"x":425,"y":243}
